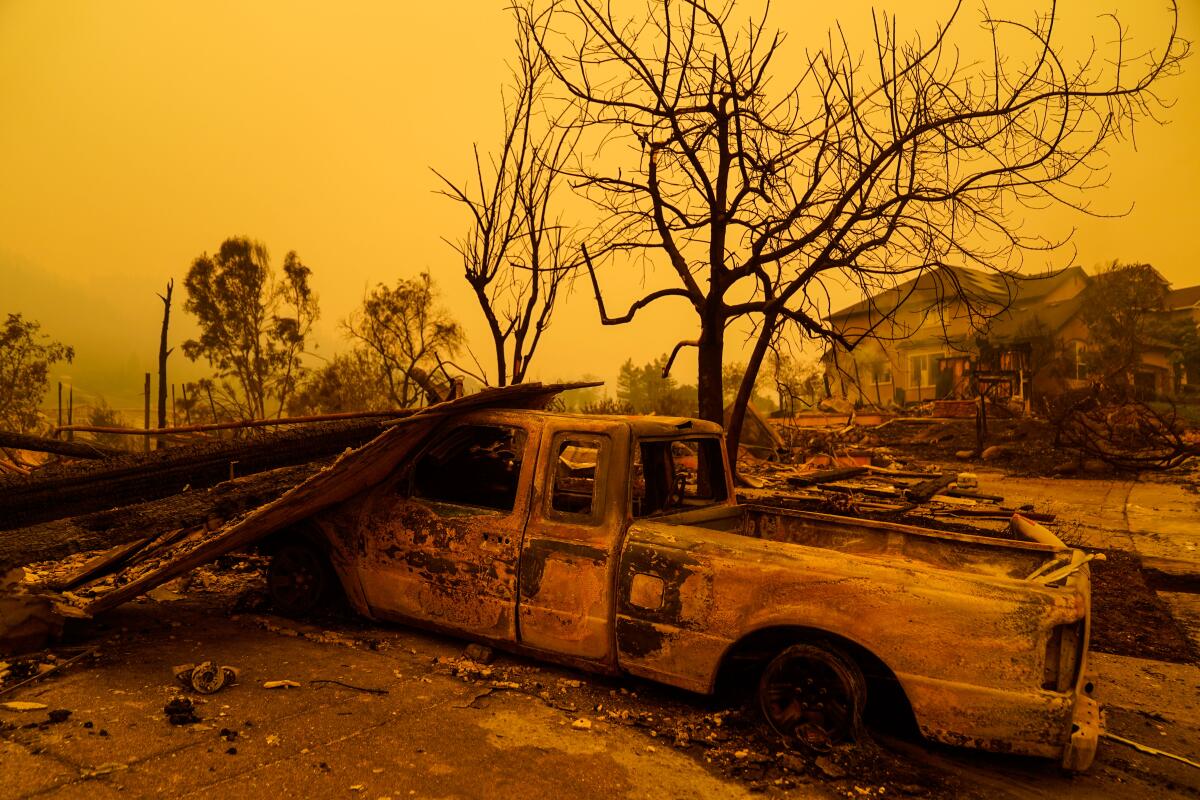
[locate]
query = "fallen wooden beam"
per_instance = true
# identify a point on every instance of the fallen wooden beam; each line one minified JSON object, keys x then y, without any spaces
{"x":921,"y":492}
{"x":245,"y":423}
{"x":999,"y":512}
{"x":41,"y":444}
{"x":826,"y":476}
{"x":973,"y":495}
{"x":889,"y":492}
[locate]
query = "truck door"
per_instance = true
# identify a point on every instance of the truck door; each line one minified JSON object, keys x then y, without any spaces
{"x":441,"y":545}
{"x":568,"y":557}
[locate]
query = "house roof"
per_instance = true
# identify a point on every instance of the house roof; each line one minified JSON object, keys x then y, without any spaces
{"x":1186,"y":297}
{"x":1027,"y":319}
{"x":935,"y":286}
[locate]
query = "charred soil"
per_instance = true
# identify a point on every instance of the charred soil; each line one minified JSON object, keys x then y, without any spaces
{"x":1129,"y":618}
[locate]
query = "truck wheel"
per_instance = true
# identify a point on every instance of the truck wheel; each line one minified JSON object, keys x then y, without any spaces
{"x":813,"y":694}
{"x":299,"y":579}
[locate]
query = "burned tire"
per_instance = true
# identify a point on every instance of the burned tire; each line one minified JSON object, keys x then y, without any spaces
{"x":300,"y":579}
{"x":814,"y":695}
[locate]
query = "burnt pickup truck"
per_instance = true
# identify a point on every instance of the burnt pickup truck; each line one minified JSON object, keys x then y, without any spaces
{"x":615,"y":544}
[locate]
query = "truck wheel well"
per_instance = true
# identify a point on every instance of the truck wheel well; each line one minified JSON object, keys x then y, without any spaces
{"x":307,"y":535}
{"x":302,"y":531}
{"x":887,"y":703}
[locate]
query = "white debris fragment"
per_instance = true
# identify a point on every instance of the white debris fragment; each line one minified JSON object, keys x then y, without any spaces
{"x":22,"y":705}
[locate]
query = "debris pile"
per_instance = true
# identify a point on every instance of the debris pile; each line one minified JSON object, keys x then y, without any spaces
{"x":181,"y":711}
{"x":1080,"y":434}
{"x":1124,"y":434}
{"x":892,"y":493}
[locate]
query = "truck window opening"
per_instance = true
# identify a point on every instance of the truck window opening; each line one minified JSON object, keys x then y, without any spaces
{"x":475,"y":465}
{"x":573,"y":492}
{"x":675,"y":474}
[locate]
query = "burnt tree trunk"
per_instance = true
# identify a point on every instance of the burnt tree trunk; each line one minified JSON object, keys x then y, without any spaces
{"x":711,"y":353}
{"x":24,"y":441}
{"x":86,"y":487}
{"x":737,"y":415}
{"x":163,"y":352}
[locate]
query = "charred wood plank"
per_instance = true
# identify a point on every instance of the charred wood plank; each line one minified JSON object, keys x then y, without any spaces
{"x":826,"y":476}
{"x":921,"y":492}
{"x":973,"y":495}
{"x":870,"y":491}
{"x":995,"y":512}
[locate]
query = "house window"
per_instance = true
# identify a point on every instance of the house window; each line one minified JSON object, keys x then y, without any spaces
{"x":922,"y":370}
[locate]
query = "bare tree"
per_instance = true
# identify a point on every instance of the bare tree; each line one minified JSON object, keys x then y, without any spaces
{"x":866,"y":171}
{"x":516,"y":252}
{"x":409,"y":334}
{"x":163,"y":353}
{"x":1128,"y":435}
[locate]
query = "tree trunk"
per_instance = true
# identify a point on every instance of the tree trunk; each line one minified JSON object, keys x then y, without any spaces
{"x":737,"y":415}
{"x":709,"y":394}
{"x":423,"y":380}
{"x":163,"y":352}
{"x":501,"y":363}
{"x":106,"y":485}
{"x":38,"y":444}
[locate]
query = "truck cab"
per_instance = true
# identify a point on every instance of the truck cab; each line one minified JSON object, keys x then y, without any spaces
{"x":507,"y":526}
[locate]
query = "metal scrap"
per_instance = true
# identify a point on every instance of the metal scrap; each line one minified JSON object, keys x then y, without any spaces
{"x":206,"y":677}
{"x":1145,"y":748}
{"x":366,"y":689}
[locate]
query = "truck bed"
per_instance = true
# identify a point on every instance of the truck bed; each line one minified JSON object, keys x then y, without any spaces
{"x":960,"y":552}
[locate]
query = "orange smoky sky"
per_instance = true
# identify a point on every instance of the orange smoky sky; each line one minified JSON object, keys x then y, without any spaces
{"x":137,"y":134}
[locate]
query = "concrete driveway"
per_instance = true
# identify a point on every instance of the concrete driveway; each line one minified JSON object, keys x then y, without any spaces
{"x":431,"y":735}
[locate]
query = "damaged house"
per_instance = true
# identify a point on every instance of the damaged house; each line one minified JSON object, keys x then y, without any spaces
{"x":955,"y":332}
